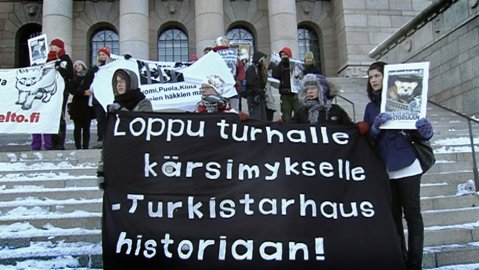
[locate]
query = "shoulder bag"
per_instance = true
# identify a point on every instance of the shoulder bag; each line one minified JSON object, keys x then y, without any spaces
{"x":424,"y":154}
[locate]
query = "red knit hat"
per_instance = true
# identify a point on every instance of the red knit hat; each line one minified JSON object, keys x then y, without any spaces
{"x":287,"y":51}
{"x":58,"y":42}
{"x":104,"y":50}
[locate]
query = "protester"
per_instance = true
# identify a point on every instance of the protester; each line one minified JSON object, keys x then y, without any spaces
{"x":238,"y":71}
{"x":103,"y":58}
{"x":128,"y":97}
{"x":289,"y":100}
{"x":402,"y":165}
{"x":212,"y":101}
{"x":79,"y":111}
{"x":256,"y":79}
{"x":309,"y":65}
{"x":316,"y":94}
{"x":63,"y":64}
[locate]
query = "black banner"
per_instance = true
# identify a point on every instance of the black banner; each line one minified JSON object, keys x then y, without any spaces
{"x":206,"y":191}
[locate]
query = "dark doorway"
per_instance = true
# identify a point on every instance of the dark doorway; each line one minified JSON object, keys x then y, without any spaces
{"x":22,"y":58}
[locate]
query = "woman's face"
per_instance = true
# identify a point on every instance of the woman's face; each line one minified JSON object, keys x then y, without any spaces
{"x":78,"y":67}
{"x":375,"y":79}
{"x":120,"y":85}
{"x":312,"y":92}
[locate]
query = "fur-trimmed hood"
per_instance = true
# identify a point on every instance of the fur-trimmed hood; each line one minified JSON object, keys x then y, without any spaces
{"x":328,"y":90}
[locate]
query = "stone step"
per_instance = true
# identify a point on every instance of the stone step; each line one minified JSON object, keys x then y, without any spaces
{"x":65,"y":181}
{"x":437,"y":189}
{"x":51,"y":193}
{"x":87,"y":254}
{"x":23,"y":234}
{"x":450,"y":216}
{"x":48,"y":205}
{"x":453,"y":254}
{"x":77,"y":219}
{"x":452,"y":178}
{"x":455,"y":234}
{"x":449,"y":202}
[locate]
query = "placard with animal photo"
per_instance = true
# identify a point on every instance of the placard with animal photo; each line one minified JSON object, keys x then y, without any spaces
{"x":37,"y":48}
{"x":404,"y":95}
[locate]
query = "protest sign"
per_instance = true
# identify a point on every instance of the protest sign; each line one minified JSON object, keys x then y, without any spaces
{"x":38,"y":50}
{"x":404,"y":95}
{"x":205,"y":191}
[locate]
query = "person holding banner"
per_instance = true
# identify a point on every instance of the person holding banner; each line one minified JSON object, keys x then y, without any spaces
{"x":212,"y":100}
{"x":256,"y":79}
{"x":317,"y":94}
{"x":128,"y":97}
{"x":79,"y":111}
{"x":402,"y":166}
{"x":64,"y":65}
{"x":289,"y":99}
{"x":103,"y":58}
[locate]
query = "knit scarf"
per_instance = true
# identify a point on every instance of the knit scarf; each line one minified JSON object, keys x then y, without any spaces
{"x":314,"y":106}
{"x":52,"y":55}
{"x":130,"y":99}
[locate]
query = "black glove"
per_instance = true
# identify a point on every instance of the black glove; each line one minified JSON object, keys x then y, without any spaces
{"x":95,"y":69}
{"x":285,"y":61}
{"x":217,"y":99}
{"x":127,"y":56}
{"x":100,"y":180}
{"x":113,"y":108}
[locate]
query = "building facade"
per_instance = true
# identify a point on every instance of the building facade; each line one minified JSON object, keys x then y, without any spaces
{"x":340,"y":33}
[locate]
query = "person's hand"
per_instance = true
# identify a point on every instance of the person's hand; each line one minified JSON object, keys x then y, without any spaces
{"x":424,"y":128}
{"x":127,"y":56}
{"x":100,"y":180}
{"x":243,"y":116}
{"x":95,"y":69}
{"x":363,"y":127}
{"x":380,"y":120}
{"x":87,"y":93}
{"x":113,"y":108}
{"x":284,"y":61}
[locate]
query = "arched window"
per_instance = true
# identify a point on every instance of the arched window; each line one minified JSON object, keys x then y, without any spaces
{"x":22,"y":57}
{"x":241,"y":35}
{"x":173,"y":45}
{"x":308,"y":41}
{"x":104,"y":38}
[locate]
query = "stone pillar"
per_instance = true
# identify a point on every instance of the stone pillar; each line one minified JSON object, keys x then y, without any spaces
{"x":57,"y":21}
{"x":283,"y":25}
{"x":134,"y":28}
{"x":209,"y":20}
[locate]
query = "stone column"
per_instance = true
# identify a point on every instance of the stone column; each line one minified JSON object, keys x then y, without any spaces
{"x":209,"y":20}
{"x":134,"y":28}
{"x":283,"y":25}
{"x":57,"y":21}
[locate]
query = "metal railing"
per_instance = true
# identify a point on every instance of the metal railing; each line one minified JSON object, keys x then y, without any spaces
{"x":350,"y":102}
{"x":471,"y":138}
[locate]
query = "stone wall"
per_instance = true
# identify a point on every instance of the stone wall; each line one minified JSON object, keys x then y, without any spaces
{"x":450,"y":42}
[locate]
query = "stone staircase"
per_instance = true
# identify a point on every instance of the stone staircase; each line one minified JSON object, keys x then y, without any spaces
{"x":50,"y":205}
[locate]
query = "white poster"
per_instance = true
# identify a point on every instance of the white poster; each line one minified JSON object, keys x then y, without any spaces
{"x":404,"y":95}
{"x":38,"y":50}
{"x":31,"y":99}
{"x":168,"y":85}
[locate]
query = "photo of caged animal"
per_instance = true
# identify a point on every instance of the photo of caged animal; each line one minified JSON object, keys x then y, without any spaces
{"x":31,"y":84}
{"x":404,"y":92}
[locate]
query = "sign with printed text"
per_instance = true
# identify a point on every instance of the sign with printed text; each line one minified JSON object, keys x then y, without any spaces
{"x":404,"y":95}
{"x":31,"y":99}
{"x":205,"y":191}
